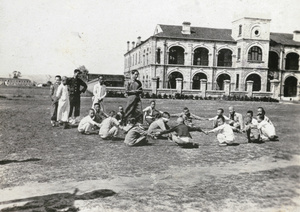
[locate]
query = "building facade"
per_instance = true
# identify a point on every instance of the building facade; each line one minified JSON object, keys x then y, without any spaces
{"x":15,"y":82}
{"x":248,"y":52}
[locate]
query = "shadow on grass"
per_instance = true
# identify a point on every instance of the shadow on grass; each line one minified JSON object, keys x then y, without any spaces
{"x":56,"y":202}
{"x":4,"y":162}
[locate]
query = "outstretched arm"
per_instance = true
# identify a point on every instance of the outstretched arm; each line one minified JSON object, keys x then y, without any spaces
{"x":197,"y":117}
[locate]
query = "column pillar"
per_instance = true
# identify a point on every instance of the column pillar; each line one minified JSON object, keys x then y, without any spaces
{"x":275,"y":89}
{"x":249,"y":88}
{"x":179,"y":85}
{"x":227,"y":87}
{"x":154,"y":85}
{"x":203,"y":84}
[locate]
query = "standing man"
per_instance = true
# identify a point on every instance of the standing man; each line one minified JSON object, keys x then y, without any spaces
{"x":133,"y":91}
{"x":53,"y":89}
{"x":74,"y":94}
{"x":99,"y":93}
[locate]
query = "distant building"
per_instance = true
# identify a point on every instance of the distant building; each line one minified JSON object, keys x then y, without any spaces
{"x":246,"y":54}
{"x":15,"y":82}
{"x":110,"y":79}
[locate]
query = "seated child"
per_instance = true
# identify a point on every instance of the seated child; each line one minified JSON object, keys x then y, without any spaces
{"x":225,"y":134}
{"x":87,"y":123}
{"x":120,"y":116}
{"x":99,"y":114}
{"x":135,"y":135}
{"x":266,"y":129}
{"x":236,"y":120}
{"x":109,"y":126}
{"x":188,"y":117}
{"x":182,"y":135}
{"x":150,"y":113}
{"x":160,"y":124}
{"x":251,"y":127}
{"x":220,"y":112}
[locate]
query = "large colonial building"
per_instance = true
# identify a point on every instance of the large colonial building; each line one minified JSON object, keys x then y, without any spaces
{"x":247,"y":52}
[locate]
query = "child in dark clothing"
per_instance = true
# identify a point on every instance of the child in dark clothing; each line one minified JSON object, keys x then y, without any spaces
{"x":182,"y":137}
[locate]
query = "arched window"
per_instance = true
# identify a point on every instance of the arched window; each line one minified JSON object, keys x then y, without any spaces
{"x":290,"y":87}
{"x":158,"y":56}
{"x":176,"y":55}
{"x":255,"y":54}
{"x":201,"y":57}
{"x":292,"y":61}
{"x":225,"y":58}
{"x":196,"y":80}
{"x":256,"y":82}
{"x":172,"y":79}
{"x":220,"y":81}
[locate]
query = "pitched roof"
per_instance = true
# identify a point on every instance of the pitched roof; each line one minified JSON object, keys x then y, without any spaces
{"x":284,"y":39}
{"x":201,"y":33}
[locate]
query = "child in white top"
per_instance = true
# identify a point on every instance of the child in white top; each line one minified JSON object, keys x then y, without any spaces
{"x":87,"y":123}
{"x":225,"y":134}
{"x":150,"y":113}
{"x":109,"y":126}
{"x":63,"y":108}
{"x":266,"y":129}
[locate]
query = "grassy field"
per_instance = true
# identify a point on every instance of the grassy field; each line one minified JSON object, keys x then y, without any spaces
{"x":51,"y":169}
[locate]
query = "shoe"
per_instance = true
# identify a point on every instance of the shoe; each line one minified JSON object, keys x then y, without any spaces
{"x":222,"y":144}
{"x":53,"y":124}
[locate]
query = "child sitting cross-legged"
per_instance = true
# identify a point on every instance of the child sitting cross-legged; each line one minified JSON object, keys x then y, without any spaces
{"x":87,"y":124}
{"x":182,"y":135}
{"x":135,"y":135}
{"x":225,"y":134}
{"x":109,"y":126}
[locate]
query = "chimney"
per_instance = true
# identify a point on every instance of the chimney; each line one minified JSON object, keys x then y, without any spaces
{"x":186,"y":28}
{"x":138,"y":42}
{"x":296,"y":36}
{"x":133,"y":44}
{"x":128,"y":43}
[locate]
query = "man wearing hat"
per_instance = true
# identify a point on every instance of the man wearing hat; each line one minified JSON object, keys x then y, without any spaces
{"x":74,"y":84}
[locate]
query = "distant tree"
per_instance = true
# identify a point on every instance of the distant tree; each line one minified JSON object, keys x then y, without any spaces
{"x":49,"y":83}
{"x":16,"y":74}
{"x":85,"y":72}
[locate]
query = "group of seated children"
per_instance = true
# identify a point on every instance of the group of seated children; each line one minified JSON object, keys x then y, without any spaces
{"x":109,"y":125}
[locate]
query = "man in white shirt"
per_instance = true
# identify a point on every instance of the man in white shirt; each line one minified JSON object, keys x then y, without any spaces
{"x":87,"y":123}
{"x":266,"y":130}
{"x":99,"y":93}
{"x":220,"y":112}
{"x":225,"y":134}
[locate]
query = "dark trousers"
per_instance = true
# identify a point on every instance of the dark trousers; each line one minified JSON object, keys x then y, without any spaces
{"x":54,"y":111}
{"x":74,"y":105}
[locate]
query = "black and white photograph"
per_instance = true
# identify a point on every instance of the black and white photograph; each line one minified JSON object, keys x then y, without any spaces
{"x":149,"y":106}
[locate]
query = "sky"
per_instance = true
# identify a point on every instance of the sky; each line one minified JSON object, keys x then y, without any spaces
{"x":49,"y":37}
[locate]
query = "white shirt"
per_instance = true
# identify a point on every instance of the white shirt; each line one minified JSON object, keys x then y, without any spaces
{"x":99,"y":91}
{"x":62,"y":92}
{"x":107,"y":124}
{"x":86,"y":120}
{"x":226,"y":130}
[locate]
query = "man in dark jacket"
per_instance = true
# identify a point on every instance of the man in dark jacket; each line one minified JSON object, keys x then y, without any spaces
{"x":74,"y":84}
